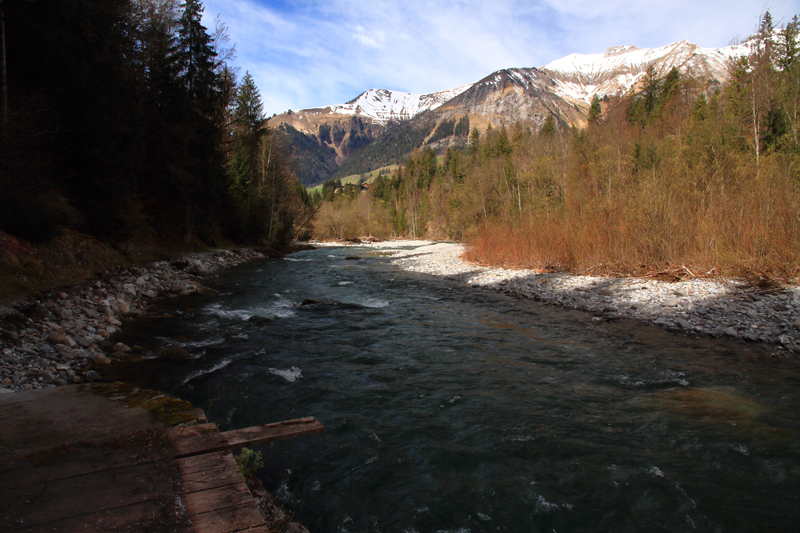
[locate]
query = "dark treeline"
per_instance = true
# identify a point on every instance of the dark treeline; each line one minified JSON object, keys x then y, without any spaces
{"x":125,"y":121}
{"x":676,"y":176}
{"x":396,"y":142}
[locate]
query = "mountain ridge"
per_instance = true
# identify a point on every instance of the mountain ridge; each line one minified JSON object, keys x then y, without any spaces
{"x":564,"y":89}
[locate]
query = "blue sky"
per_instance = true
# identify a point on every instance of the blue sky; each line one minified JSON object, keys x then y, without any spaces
{"x":310,"y":53}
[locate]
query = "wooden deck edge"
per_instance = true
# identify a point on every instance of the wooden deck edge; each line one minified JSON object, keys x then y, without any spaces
{"x":206,"y":438}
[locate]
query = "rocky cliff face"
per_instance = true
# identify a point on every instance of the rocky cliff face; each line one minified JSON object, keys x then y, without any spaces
{"x":526,"y":95}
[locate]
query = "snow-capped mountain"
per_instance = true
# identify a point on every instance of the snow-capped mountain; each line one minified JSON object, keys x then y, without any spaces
{"x":581,"y":76}
{"x":563,"y":88}
{"x":382,"y":105}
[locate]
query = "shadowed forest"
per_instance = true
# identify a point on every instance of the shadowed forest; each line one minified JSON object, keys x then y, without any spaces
{"x":123,"y":119}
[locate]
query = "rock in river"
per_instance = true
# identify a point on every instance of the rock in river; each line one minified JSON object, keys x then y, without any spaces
{"x":175,"y":353}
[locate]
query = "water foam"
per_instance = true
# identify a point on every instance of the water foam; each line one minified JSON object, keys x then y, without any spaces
{"x":375,"y":303}
{"x":197,"y":373}
{"x":291,"y":375}
{"x":279,"y":308}
{"x":202,"y":344}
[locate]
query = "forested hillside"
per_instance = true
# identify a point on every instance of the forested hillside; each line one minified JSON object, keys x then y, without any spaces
{"x":124,"y":120}
{"x":671,"y":179}
{"x":393,"y":145}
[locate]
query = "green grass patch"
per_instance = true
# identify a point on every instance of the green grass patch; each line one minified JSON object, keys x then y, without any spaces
{"x":164,"y":408}
{"x":355,"y":178}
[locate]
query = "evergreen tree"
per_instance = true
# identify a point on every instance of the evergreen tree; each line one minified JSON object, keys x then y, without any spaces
{"x":249,"y":128}
{"x":549,"y":127}
{"x":669,"y":87}
{"x":203,"y":179}
{"x":595,"y":110}
{"x":645,"y":106}
{"x":474,"y":141}
{"x":462,"y":128}
{"x":196,"y":57}
{"x":788,"y":45}
{"x":700,"y":110}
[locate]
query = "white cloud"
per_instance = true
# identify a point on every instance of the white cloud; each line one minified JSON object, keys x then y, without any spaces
{"x":311,"y":53}
{"x":370,"y":39}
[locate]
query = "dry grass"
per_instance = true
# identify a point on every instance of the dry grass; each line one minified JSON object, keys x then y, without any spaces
{"x":664,"y":230}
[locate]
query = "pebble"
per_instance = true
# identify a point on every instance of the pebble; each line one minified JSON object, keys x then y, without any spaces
{"x":57,"y":340}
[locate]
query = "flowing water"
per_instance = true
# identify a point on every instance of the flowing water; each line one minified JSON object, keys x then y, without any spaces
{"x":453,"y":409}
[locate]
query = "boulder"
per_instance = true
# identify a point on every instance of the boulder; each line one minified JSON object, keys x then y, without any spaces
{"x":99,"y":359}
{"x":56,"y":338}
{"x":328,"y":304}
{"x":196,"y":267}
{"x":175,"y":353}
{"x":83,"y":341}
{"x":10,"y":335}
{"x":208,"y":291}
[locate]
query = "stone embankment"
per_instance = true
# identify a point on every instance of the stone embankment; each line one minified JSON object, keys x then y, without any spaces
{"x":707,"y":307}
{"x":63,"y":336}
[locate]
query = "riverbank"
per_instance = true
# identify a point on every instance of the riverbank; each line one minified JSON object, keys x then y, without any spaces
{"x":63,"y":336}
{"x":706,"y":307}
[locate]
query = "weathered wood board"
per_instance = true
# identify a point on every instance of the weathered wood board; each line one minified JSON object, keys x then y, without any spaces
{"x":203,"y":439}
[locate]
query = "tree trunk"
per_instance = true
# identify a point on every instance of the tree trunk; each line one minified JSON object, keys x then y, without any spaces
{"x":755,"y":128}
{"x":3,"y":62}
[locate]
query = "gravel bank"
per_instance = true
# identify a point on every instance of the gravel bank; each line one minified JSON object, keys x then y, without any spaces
{"x":699,"y":306}
{"x":63,"y":336}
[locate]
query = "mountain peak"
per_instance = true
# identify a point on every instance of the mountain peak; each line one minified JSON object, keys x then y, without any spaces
{"x":384,"y":105}
{"x":579,"y":77}
{"x":617,"y":50}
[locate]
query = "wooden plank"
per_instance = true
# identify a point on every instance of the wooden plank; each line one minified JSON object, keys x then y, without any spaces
{"x":195,"y":440}
{"x":33,"y":511}
{"x":253,"y":436}
{"x":79,"y":485}
{"x":204,"y":438}
{"x":239,"y":518}
{"x":27,"y":474}
{"x":192,"y":431}
{"x":218,"y":498}
{"x":200,"y":463}
{"x":122,"y":519}
{"x":211,"y":479}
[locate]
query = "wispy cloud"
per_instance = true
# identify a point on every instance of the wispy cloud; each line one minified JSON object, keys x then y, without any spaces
{"x":310,"y":53}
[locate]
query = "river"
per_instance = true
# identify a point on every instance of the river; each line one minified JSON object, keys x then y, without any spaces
{"x":453,"y":409}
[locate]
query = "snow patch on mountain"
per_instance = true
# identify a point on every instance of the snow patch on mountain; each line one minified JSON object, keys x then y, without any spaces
{"x":383,"y":105}
{"x":581,"y":76}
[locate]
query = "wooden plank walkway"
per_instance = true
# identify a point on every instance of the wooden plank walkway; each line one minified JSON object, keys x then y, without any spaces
{"x":71,"y":460}
{"x":217,"y":497}
{"x":112,"y":485}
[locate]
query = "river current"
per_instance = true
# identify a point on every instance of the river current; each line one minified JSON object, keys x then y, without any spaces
{"x":454,"y":409}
